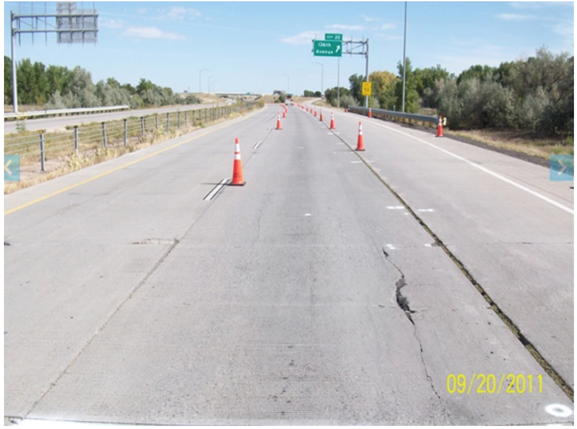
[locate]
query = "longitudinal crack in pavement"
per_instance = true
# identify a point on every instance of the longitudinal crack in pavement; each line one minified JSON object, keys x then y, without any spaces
{"x":547,"y":367}
{"x":403,"y":303}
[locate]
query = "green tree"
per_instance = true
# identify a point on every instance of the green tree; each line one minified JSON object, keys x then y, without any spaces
{"x":482,"y":73}
{"x":411,"y":94}
{"x":58,"y":79}
{"x":332,"y":96}
{"x":356,"y":86}
{"x":383,"y":88}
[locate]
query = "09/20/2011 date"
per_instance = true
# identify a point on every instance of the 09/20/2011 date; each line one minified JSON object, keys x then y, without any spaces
{"x":493,"y":385}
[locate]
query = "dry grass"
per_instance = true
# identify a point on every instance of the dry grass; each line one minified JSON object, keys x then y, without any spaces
{"x":519,"y":142}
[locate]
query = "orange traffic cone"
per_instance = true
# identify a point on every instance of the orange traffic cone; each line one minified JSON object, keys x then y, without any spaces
{"x":332,"y":127}
{"x":284,"y":114}
{"x":278,"y":126}
{"x":360,"y":143}
{"x":316,"y":113}
{"x":370,"y":113}
{"x":440,"y":127}
{"x":321,"y":116}
{"x":237,"y":179}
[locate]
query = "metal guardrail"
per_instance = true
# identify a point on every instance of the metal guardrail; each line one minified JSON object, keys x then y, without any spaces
{"x":396,"y":116}
{"x":63,"y":112}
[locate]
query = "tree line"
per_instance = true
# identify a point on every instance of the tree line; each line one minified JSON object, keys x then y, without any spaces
{"x":533,"y":95}
{"x":56,"y":87}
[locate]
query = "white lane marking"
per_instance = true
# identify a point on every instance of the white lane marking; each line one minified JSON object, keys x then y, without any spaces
{"x":255,"y":147}
{"x":425,"y":210}
{"x":216,"y":190}
{"x":307,"y":214}
{"x":395,"y":207}
{"x":356,"y":162}
{"x":486,"y":170}
{"x":390,"y":247}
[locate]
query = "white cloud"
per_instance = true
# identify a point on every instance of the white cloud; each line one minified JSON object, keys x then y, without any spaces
{"x":345,"y":27}
{"x":514,"y":17}
{"x":564,"y":29}
{"x":389,"y":26}
{"x":151,"y":33}
{"x":179,"y":13}
{"x":303,"y":38}
{"x":110,"y":23}
{"x":370,"y":18}
{"x":535,"y":5}
{"x":388,"y":37}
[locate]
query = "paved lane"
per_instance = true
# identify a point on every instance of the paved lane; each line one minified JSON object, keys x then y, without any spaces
{"x":283,"y":301}
{"x":510,"y":226}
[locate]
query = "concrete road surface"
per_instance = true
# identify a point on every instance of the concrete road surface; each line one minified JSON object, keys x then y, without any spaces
{"x":311,"y":295}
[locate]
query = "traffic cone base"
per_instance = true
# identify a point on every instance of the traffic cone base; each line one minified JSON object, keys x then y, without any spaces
{"x":237,"y":178}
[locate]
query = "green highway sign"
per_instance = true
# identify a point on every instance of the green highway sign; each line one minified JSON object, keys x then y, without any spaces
{"x":333,"y":36}
{"x":328,"y":48}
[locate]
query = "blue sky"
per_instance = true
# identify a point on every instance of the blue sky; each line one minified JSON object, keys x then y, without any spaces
{"x":263,"y":46}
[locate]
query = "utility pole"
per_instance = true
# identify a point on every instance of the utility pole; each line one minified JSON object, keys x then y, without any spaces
{"x":14,"y":82}
{"x":404,"y":59}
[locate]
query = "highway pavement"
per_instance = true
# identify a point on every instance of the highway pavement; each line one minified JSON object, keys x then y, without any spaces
{"x":334,"y":287}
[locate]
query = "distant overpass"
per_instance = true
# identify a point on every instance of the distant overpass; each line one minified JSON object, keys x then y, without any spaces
{"x":238,"y":94}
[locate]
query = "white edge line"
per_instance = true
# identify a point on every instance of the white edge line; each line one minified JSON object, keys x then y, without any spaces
{"x":486,"y":170}
{"x":216,"y":190}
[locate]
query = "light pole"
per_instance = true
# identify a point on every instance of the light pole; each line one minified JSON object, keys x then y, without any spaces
{"x":209,"y":78}
{"x":404,"y":59}
{"x":322,"y":78}
{"x":199,"y":74}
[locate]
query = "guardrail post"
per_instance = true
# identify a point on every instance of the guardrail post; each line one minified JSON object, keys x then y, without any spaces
{"x":178,"y":120}
{"x":124,"y":134}
{"x":185,"y":118}
{"x":167,"y":122}
{"x":142,"y":125}
{"x":104,"y":134}
{"x":76,"y":139}
{"x":156,"y":121}
{"x":42,"y":151}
